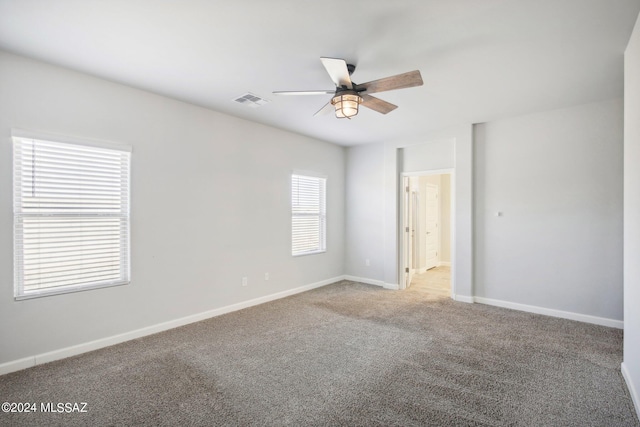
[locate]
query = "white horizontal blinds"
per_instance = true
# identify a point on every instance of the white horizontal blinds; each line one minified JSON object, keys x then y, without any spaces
{"x":71,"y":216}
{"x":308,"y":219}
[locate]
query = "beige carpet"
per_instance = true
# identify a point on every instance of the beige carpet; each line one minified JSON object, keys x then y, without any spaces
{"x":346,"y":354}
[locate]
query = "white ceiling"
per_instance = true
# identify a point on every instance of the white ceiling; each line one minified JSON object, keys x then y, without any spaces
{"x":480,"y":59}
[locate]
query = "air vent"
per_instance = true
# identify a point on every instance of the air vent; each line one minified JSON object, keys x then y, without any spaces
{"x":251,"y":100}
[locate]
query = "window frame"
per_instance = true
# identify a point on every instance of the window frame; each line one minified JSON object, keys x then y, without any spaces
{"x":322,"y":213}
{"x":20,"y":213}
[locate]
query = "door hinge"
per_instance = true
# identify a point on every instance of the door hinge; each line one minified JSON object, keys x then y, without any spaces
{"x":406,"y":270}
{"x":406,"y":189}
{"x":406,"y":229}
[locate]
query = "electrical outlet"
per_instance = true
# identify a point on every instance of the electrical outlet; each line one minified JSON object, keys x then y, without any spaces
{"x":366,"y":262}
{"x":266,"y":276}
{"x":245,"y":281}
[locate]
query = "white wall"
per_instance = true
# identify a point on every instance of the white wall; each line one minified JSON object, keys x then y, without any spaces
{"x":210,"y":204}
{"x":556,"y":177}
{"x":428,"y":156}
{"x":445,"y":220}
{"x":631,"y":364}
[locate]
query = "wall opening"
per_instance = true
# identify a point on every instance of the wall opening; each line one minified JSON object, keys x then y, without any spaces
{"x":427,"y":230}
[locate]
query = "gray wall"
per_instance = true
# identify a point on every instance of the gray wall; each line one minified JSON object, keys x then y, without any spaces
{"x":373,"y":176}
{"x":445,"y":149}
{"x":631,"y":364}
{"x":210,"y":204}
{"x":365,"y":212}
{"x":557,"y":179}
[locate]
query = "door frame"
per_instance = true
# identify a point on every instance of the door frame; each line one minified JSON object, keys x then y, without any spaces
{"x":402,"y":241}
{"x":406,"y":233}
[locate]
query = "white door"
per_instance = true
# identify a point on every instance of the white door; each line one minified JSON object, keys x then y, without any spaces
{"x":415,"y":241}
{"x":432,"y":230}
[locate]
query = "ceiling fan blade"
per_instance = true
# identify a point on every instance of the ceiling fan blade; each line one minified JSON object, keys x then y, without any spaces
{"x":337,"y":69}
{"x":328,"y":107}
{"x":304,"y":92}
{"x":401,"y":81}
{"x":377,"y":104}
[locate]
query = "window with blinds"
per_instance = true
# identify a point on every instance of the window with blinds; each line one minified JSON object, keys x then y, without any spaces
{"x":71,"y":217}
{"x":308,"y":215}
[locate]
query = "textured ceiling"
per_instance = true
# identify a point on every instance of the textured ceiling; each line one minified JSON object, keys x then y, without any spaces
{"x":480,"y":59}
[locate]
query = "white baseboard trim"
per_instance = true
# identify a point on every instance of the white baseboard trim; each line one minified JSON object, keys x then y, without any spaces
{"x":364,"y":280}
{"x":392,"y":286}
{"x":463,"y":298}
{"x":28,"y":362}
{"x":603,"y":321}
{"x":17,"y":365}
{"x":635,"y":397}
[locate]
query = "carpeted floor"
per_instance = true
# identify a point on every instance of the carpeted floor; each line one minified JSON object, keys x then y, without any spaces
{"x":345,"y":354}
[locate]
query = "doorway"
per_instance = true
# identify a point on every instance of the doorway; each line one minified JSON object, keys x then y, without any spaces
{"x":427,"y":227}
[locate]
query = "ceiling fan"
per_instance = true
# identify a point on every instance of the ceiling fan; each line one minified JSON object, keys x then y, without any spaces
{"x":348,"y":95}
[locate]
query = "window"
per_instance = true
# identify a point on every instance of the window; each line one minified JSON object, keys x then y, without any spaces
{"x":71,"y":217}
{"x":308,"y":215}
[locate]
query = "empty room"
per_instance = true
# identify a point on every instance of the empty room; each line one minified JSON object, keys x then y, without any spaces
{"x":320,"y":213}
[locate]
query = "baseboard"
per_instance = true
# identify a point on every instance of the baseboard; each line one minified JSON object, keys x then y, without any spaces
{"x":28,"y":362}
{"x":376,"y":282}
{"x":603,"y":321}
{"x":463,"y":298}
{"x":364,"y":280}
{"x":445,"y":264}
{"x":635,"y":397}
{"x":17,"y":365}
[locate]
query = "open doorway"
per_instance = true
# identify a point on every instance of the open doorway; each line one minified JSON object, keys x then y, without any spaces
{"x":427,"y":225}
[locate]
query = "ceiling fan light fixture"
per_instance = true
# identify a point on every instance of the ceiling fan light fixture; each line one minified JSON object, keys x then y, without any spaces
{"x":346,"y":104}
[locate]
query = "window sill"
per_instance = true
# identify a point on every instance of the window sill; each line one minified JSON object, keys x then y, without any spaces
{"x":308,"y":253}
{"x":66,"y":290}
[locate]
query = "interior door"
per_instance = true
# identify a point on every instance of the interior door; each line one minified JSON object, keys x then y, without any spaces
{"x":432,"y":230}
{"x":415,"y":241}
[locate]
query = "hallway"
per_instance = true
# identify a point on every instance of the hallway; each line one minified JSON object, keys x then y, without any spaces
{"x":436,"y":282}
